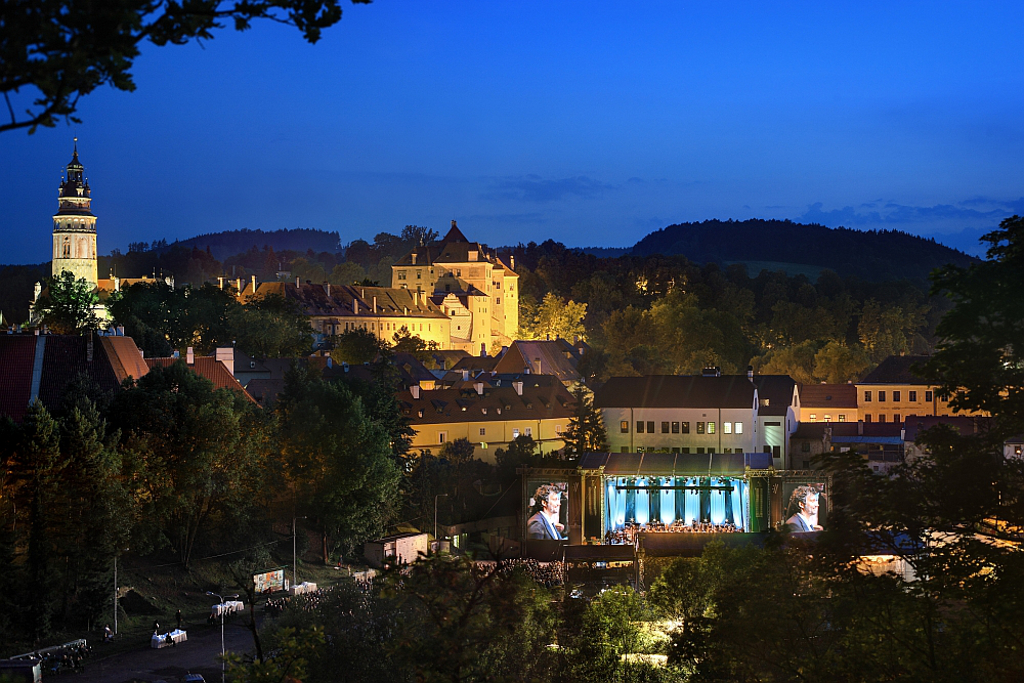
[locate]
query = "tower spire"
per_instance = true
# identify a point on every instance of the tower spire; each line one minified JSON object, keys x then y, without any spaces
{"x":74,"y":225}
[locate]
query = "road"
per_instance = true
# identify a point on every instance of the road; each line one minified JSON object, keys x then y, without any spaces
{"x":198,"y":655}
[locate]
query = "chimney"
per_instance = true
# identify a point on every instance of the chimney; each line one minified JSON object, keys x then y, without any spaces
{"x":238,"y":285}
{"x":465,"y":375}
{"x":190,"y":356}
{"x":253,"y":284}
{"x":750,"y":372}
{"x":512,"y":262}
{"x":413,"y":258}
{"x":297,"y":281}
{"x":479,"y":386}
{"x":220,"y":282}
{"x":518,"y":387}
{"x":536,"y":366}
{"x":355,"y":306}
{"x":415,"y":391}
{"x":226,"y":356}
{"x":328,"y":288}
{"x":374,"y":304}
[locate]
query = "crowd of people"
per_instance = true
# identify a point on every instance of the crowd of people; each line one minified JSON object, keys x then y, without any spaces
{"x":547,"y":574}
{"x":627,"y":533}
{"x":70,"y":658}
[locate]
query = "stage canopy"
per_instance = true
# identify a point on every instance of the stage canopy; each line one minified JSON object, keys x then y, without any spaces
{"x":675,"y":464}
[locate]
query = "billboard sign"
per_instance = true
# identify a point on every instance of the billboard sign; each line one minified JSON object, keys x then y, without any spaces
{"x":806,"y":506}
{"x":269,"y":582}
{"x":547,"y":509}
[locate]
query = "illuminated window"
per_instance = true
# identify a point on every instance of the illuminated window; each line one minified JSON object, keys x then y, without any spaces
{"x":828,"y":418}
{"x":711,"y":427}
{"x":738,"y":427}
{"x":515,"y":433}
{"x":529,"y":431}
{"x":624,"y":427}
{"x":700,"y":428}
{"x":675,"y":427}
{"x":813,"y":417}
{"x":727,"y":427}
{"x":558,"y":429}
{"x":842,"y":417}
{"x":686,"y":427}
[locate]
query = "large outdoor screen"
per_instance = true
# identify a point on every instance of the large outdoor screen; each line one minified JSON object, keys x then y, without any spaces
{"x":806,"y":506}
{"x":269,"y":582}
{"x":547,"y":510}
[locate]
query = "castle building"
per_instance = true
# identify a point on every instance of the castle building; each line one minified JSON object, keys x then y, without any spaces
{"x":473,"y":287}
{"x":74,"y":225}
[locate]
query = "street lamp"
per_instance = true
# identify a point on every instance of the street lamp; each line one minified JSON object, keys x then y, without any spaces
{"x":440,"y":495}
{"x":222,"y":609}
{"x":295,"y":566}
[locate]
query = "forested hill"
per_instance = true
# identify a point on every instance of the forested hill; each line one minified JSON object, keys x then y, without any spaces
{"x":225,"y":244}
{"x":872,"y":255}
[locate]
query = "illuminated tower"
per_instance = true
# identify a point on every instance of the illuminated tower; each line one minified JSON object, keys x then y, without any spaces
{"x":74,"y":226}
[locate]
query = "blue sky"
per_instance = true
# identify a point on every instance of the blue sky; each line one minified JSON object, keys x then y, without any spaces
{"x":589,"y":123}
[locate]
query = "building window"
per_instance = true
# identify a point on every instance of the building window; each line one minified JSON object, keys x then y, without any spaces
{"x":842,"y":417}
{"x":700,"y":429}
{"x":881,"y":418}
{"x":896,"y":396}
{"x":928,"y":396}
{"x":675,"y":427}
{"x":727,"y":427}
{"x":685,"y":449}
{"x":558,"y":430}
{"x":419,"y":274}
{"x":401,"y":275}
{"x":497,"y":300}
{"x":867,"y":417}
{"x":442,"y":437}
{"x":711,"y":427}
{"x":483,"y":431}
{"x":624,"y":427}
{"x":912,"y":395}
{"x":813,"y":417}
{"x":828,"y":418}
{"x":881,"y":396}
{"x":686,"y":427}
{"x":515,"y":433}
{"x":897,"y":418}
{"x":529,"y":431}
{"x":867,"y":397}
{"x":700,"y":450}
{"x":738,"y":427}
{"x":650,"y":426}
{"x":639,"y":427}
{"x":664,"y":427}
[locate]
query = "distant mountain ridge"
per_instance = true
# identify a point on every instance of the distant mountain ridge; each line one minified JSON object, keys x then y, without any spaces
{"x":231,"y":242}
{"x":868,"y":254}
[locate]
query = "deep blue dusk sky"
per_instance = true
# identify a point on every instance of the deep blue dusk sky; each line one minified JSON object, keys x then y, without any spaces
{"x":590,"y":123}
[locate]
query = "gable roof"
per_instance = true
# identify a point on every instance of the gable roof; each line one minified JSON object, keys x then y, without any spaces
{"x":494,"y":404}
{"x":774,"y":393}
{"x":675,"y":391}
{"x":828,"y":396}
{"x":209,"y":368}
{"x":895,"y":370}
{"x":550,"y":356}
{"x":124,"y":356}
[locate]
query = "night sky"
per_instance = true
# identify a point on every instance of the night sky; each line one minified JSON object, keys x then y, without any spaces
{"x":591,"y":123}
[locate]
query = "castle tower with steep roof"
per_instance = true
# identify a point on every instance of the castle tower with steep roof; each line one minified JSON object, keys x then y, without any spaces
{"x":74,"y":225}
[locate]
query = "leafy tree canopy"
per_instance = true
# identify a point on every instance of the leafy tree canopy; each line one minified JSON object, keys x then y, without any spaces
{"x":67,"y":306}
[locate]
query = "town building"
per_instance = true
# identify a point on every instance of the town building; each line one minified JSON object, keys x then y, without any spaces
{"x":489,"y":415}
{"x":470,"y":284}
{"x":828,"y":403}
{"x":337,"y":309}
{"x":893,"y":391}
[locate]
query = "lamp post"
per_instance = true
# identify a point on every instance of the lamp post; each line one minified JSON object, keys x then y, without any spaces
{"x":295,"y":566}
{"x":222,"y":606}
{"x":440,"y":495}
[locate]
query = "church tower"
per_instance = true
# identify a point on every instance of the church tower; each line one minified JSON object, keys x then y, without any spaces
{"x":74,"y":225}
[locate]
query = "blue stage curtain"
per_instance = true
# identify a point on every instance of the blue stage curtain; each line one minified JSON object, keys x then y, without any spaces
{"x":643,"y":503}
{"x":705,"y":501}
{"x":630,"y":501}
{"x":655,"y":498}
{"x":728,"y":496}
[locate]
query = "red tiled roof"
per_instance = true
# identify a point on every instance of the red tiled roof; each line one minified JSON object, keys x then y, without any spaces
{"x":17,"y":354}
{"x":828,"y":396}
{"x":208,"y":367}
{"x":125,"y":358}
